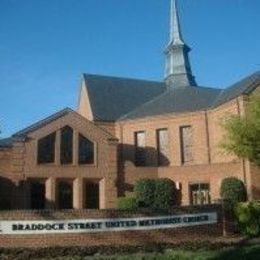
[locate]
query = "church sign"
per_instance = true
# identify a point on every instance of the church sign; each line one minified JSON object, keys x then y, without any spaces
{"x":16,"y":227}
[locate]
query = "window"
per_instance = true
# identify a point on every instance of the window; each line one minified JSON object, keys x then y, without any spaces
{"x":46,"y":149}
{"x":140,"y":149}
{"x":86,"y":150}
{"x":37,"y":190}
{"x":66,"y":145}
{"x":91,"y":195}
{"x":162,"y":147}
{"x":199,"y":194}
{"x":65,"y":195}
{"x":186,"y":144}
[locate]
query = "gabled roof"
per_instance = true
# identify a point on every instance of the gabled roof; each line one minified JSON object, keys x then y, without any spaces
{"x":23,"y":133}
{"x":244,"y":86}
{"x":188,"y":99}
{"x":112,"y":97}
{"x":43,"y":122}
{"x":6,"y":142}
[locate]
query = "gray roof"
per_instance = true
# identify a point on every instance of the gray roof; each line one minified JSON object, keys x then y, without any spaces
{"x":191,"y":99}
{"x":43,"y":122}
{"x":176,"y":101}
{"x":244,"y":86}
{"x":6,"y":142}
{"x":112,"y":97}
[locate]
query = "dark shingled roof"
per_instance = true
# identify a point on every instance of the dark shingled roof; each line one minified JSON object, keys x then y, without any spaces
{"x":112,"y":97}
{"x":188,"y":99}
{"x":43,"y":122}
{"x":244,"y":86}
{"x":6,"y":142}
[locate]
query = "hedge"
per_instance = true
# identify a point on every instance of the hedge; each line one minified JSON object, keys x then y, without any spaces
{"x":164,"y":194}
{"x":144,"y":191}
{"x":126,"y":203}
{"x":232,"y":191}
{"x":159,"y":193}
{"x":248,"y":218}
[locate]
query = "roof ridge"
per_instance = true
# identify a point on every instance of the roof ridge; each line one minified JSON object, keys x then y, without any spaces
{"x":255,"y":78}
{"x":117,"y":78}
{"x":42,"y":122}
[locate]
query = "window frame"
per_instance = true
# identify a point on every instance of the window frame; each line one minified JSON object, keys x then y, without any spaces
{"x":94,"y":152}
{"x":54,"y":148}
{"x":63,"y":163}
{"x":144,"y":162}
{"x":199,"y":190}
{"x":182,"y":148}
{"x":159,"y":163}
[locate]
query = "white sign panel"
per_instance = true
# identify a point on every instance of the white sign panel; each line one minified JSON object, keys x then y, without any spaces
{"x":17,"y":227}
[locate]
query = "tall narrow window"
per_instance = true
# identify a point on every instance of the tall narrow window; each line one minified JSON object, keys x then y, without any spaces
{"x":140,"y":149}
{"x":199,"y":194}
{"x":86,"y":150}
{"x":162,"y":147}
{"x":65,"y":195}
{"x":186,"y":144}
{"x":66,"y":145}
{"x":46,"y":149}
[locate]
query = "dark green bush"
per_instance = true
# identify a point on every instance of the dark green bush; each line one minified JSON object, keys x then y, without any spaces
{"x":126,"y":203}
{"x":159,"y":193}
{"x":144,"y":191}
{"x":164,"y":194}
{"x":232,"y":191}
{"x":248,"y":218}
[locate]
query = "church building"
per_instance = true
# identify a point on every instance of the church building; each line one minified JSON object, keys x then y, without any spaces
{"x":124,"y":130}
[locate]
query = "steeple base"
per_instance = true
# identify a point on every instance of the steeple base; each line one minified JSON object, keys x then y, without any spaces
{"x":180,"y":81}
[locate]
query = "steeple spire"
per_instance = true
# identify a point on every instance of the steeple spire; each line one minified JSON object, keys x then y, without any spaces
{"x":175,"y":35}
{"x":178,"y":71}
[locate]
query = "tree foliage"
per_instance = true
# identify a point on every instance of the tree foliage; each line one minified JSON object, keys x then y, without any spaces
{"x":243,"y":132}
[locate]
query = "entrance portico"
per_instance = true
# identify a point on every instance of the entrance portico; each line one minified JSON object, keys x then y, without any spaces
{"x":65,"y":193}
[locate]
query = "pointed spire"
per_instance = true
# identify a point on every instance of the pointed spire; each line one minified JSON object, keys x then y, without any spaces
{"x":177,"y":72}
{"x":175,"y":36}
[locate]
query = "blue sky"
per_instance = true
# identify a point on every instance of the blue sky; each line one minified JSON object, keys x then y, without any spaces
{"x":45,"y":45}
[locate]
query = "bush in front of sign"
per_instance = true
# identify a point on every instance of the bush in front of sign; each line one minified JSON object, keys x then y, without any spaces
{"x":126,"y":203}
{"x":164,"y":194}
{"x":248,"y":218}
{"x":232,"y":191}
{"x":144,"y":191}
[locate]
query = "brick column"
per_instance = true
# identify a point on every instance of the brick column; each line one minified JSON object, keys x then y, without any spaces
{"x":78,"y":193}
{"x":57,"y":147}
{"x":50,"y":193}
{"x":75,"y":147}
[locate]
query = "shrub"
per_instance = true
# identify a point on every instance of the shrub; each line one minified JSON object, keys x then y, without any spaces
{"x":248,"y":218}
{"x":164,"y":194}
{"x":144,"y":190}
{"x":126,"y":203}
{"x":232,"y":191}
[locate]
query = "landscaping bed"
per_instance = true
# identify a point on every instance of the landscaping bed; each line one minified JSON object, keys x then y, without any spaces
{"x":219,"y":248}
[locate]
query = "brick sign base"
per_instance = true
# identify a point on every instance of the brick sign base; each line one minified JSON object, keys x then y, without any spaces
{"x":115,"y":238}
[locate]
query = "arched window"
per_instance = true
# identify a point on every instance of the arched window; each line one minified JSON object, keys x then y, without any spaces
{"x":66,"y":145}
{"x":86,"y":150}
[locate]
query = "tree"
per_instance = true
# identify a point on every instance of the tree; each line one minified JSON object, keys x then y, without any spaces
{"x":243,"y":132}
